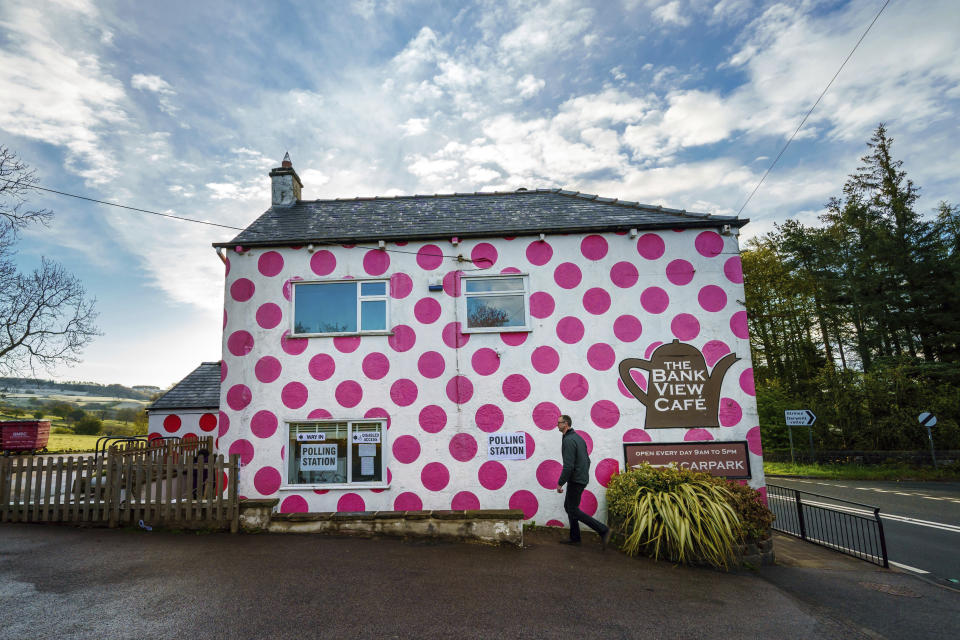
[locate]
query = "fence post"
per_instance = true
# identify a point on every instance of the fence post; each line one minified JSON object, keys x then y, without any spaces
{"x":803,"y":527}
{"x":883,"y":539}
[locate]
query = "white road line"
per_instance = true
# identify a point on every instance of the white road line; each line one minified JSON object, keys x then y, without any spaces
{"x":886,"y":516}
{"x":907,"y":567}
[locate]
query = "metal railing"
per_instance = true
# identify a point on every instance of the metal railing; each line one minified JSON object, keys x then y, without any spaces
{"x":848,"y":527}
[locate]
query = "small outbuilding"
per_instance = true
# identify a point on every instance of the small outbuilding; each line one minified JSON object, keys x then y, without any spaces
{"x":190,"y":408}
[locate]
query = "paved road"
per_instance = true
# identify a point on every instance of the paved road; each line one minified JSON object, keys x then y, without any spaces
{"x":921,"y":520}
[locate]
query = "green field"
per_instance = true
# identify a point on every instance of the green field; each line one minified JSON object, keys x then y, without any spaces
{"x":69,"y":442}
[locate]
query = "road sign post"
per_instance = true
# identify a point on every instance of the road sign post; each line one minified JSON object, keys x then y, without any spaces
{"x":928,"y":420}
{"x":799,"y":418}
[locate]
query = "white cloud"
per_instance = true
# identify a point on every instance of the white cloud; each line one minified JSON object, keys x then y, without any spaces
{"x":151,"y":83}
{"x":670,"y":13}
{"x":530,"y":86}
{"x":415,"y":126}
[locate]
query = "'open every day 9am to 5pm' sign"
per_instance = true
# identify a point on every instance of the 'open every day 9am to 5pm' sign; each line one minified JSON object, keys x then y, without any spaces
{"x":722,"y":459}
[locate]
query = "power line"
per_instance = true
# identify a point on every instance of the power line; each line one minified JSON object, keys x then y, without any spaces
{"x":802,"y":122}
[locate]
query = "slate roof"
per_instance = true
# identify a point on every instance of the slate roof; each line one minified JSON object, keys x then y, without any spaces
{"x":464,"y":215}
{"x":199,"y":390}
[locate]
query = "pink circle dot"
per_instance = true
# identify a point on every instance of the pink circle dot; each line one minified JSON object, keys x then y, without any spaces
{"x":574,"y":386}
{"x":653,"y":346}
{"x":403,"y":392}
{"x":400,"y":286}
{"x":545,"y":359}
{"x":738,"y":325}
{"x":567,"y":275}
{"x":375,"y":365}
{"x":746,"y":382}
{"x":685,"y":326}
{"x":459,"y":389}
{"x":403,"y":338}
{"x":513,"y":339}
{"x":753,"y":441}
{"x":587,"y":439}
{"x":733,"y":269}
{"x":548,"y":474}
{"x":570,"y":330}
{"x":485,"y":361}
{"x":541,"y":304}
{"x":269,"y":315}
{"x":492,"y":475}
{"x":680,"y":272}
{"x":601,"y":356}
{"x":452,"y":336}
{"x":466,"y":501}
{"x":596,"y":301}
{"x":627,"y":328}
{"x":427,"y":310}
{"x":263,"y":424}
{"x":730,"y":412}
{"x":539,"y":253}
{"x":697,"y":435}
{"x":350,"y":503}
{"x":712,"y":298}
{"x":240,"y":343}
{"x":208,"y":422}
{"x":624,"y":274}
{"x":637,"y":435}
{"x":531,"y":444}
{"x":293,"y":346}
{"x":266,"y":481}
{"x":709,"y":244}
{"x":376,"y":262}
{"x":526,"y":502}
{"x":223,"y":371}
{"x":242,"y":290}
{"x":463,"y":447}
{"x":270,"y":264}
{"x":346,"y":344}
{"x":605,"y":470}
{"x":294,"y":504}
{"x":319,"y":414}
{"x":516,"y":387}
{"x":321,"y":367}
{"x":429,"y":257}
{"x":171,"y":423}
{"x":267,"y":369}
{"x":432,"y":418}
{"x":288,"y":286}
{"x":604,"y":414}
{"x":489,"y":418}
{"x":223,"y":422}
{"x":650,"y":246}
{"x":638,"y":378}
{"x":323,"y":263}
{"x":294,"y":395}
{"x":593,"y":247}
{"x":348,"y":393}
{"x":242,"y":448}
{"x":713,"y":351}
{"x":377,"y":412}
{"x":588,"y":503}
{"x":408,"y":501}
{"x":510,"y":270}
{"x":435,"y":476}
{"x":654,"y":300}
{"x":545,"y":416}
{"x":431,"y":364}
{"x":238,"y":397}
{"x":451,"y":284}
{"x":484,"y":255}
{"x":554,"y":523}
{"x":406,"y":449}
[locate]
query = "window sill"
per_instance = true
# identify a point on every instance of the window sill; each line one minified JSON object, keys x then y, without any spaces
{"x":499,"y":330}
{"x":356,"y":485}
{"x":339,"y":335}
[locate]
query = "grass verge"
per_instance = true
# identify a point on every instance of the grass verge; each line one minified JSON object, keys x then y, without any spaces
{"x":862,"y":472}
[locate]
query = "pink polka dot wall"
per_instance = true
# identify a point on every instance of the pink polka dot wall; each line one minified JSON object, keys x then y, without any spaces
{"x":184,"y":424}
{"x":595,"y":299}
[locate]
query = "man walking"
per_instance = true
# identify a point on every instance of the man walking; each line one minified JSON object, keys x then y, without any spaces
{"x":576,"y":475}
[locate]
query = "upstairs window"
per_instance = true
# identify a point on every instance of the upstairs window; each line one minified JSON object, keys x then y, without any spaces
{"x":495,"y":303}
{"x":340,"y":307}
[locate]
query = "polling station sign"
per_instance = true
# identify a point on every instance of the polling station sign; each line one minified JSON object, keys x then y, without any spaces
{"x":318,"y":457}
{"x":507,"y":446}
{"x":722,"y":459}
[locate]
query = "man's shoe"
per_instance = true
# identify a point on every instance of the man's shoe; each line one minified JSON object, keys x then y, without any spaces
{"x":569,"y":542}
{"x":605,"y":538}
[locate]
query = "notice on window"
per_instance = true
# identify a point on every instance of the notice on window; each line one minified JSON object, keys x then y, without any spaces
{"x":367,"y":450}
{"x":318,"y":457}
{"x":371,"y":437}
{"x":507,"y":446}
{"x":311,"y":437}
{"x":366,"y":466}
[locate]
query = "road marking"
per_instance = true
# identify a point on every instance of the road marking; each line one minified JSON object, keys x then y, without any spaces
{"x":869,"y":514}
{"x":907,"y":567}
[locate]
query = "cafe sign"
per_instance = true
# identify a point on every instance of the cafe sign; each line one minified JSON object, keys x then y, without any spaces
{"x":721,"y":459}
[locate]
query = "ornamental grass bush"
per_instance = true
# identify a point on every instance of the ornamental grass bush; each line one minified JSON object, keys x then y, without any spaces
{"x":681,"y":515}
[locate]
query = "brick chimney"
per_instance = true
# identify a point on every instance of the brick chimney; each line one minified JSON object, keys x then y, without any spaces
{"x":286,"y":183}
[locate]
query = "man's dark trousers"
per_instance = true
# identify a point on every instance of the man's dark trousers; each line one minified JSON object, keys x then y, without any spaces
{"x":571,"y":504}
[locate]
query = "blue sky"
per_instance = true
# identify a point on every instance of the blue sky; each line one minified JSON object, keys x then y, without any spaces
{"x":184,"y":107}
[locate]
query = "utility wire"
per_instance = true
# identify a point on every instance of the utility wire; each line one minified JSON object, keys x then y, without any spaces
{"x":802,"y":122}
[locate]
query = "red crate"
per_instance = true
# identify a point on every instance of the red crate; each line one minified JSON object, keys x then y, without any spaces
{"x":24,"y":435}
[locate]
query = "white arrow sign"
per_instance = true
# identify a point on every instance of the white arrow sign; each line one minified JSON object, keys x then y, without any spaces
{"x":927,"y":419}
{"x":799,"y":417}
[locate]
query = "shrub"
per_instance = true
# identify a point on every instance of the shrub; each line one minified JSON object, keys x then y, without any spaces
{"x":87,"y":425}
{"x":755,"y":517}
{"x":680,"y":514}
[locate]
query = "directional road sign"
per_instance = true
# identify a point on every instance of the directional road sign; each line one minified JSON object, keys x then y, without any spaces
{"x":927,"y":419}
{"x":799,"y":417}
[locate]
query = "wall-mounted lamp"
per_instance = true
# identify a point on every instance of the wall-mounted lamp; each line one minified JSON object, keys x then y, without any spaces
{"x":311,"y":248}
{"x":382,"y":245}
{"x":543,"y":237}
{"x":633,"y":233}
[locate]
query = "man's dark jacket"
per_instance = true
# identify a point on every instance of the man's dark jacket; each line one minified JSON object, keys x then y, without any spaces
{"x":576,"y":462}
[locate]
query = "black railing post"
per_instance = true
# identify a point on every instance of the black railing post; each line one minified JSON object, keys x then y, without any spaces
{"x":883,"y":540}
{"x":803,"y":528}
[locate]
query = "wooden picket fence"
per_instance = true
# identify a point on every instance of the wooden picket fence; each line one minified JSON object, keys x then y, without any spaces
{"x":172,"y":484}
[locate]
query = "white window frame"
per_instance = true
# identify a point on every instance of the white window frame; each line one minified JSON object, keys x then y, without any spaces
{"x":462,"y":302}
{"x":360,"y":298}
{"x":384,"y":456}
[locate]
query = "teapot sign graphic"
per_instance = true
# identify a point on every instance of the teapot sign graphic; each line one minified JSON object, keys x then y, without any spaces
{"x":681,"y":392}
